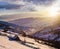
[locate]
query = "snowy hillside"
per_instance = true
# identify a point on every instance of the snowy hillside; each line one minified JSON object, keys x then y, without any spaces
{"x":6,"y":44}
{"x":43,"y":37}
{"x":40,"y":28}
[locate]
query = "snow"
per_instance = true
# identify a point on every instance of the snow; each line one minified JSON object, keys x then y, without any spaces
{"x":31,"y":25}
{"x":6,"y":44}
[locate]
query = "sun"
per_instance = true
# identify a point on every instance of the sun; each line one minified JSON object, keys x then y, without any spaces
{"x":53,"y":11}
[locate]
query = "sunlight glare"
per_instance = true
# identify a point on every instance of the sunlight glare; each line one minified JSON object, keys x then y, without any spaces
{"x":53,"y":10}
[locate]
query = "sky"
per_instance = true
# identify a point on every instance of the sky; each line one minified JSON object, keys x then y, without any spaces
{"x":25,"y":5}
{"x":29,"y":6}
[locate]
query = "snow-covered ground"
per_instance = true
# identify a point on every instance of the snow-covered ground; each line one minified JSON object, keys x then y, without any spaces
{"x":6,"y":44}
{"x":30,"y":25}
{"x":49,"y":34}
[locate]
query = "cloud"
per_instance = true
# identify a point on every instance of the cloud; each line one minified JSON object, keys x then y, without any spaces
{"x":6,"y":5}
{"x":44,"y":2}
{"x":25,"y":5}
{"x":22,"y":6}
{"x":34,"y":1}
